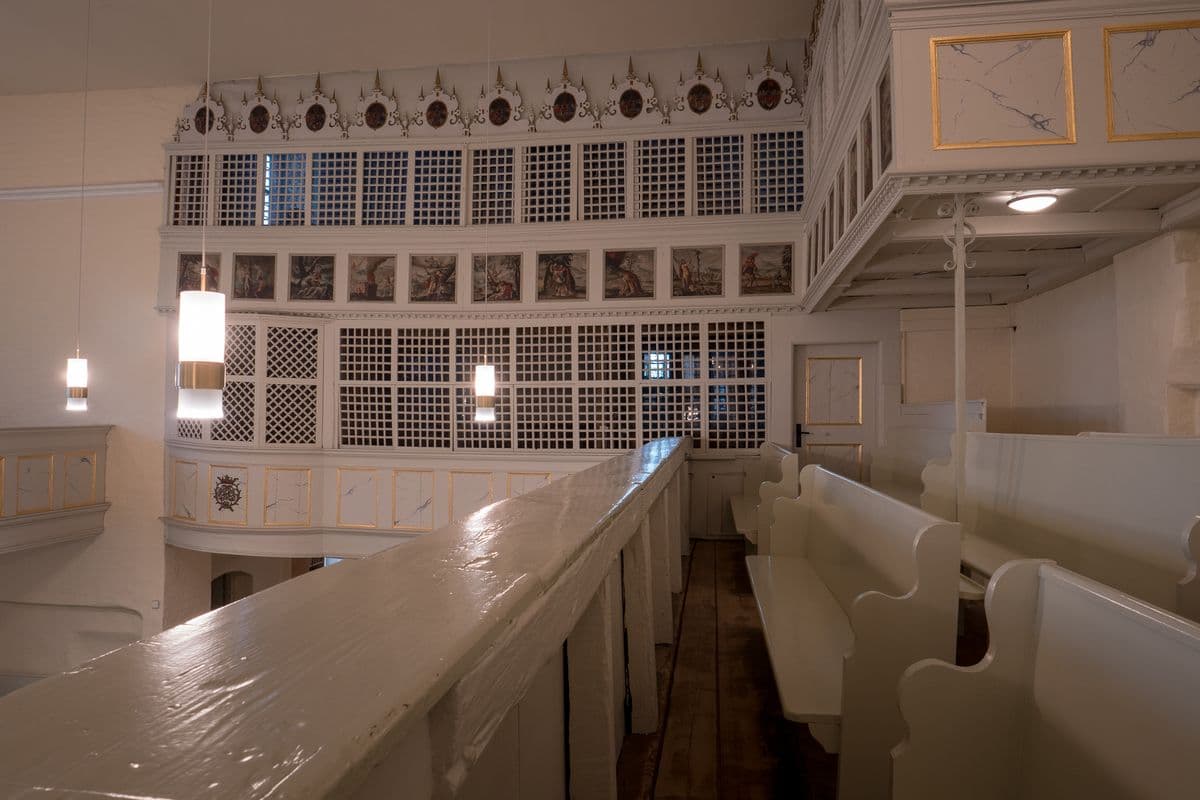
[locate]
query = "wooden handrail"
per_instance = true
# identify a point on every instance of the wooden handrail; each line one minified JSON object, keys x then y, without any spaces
{"x":300,"y":690}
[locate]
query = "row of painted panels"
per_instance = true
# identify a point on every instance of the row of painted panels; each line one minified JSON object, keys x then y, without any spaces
{"x":377,"y":497}
{"x":47,"y":482}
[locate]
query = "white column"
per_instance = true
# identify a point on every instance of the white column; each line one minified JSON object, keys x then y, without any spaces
{"x":592,"y":722}
{"x":639,"y":632}
{"x":963,"y":235}
{"x":660,"y":580}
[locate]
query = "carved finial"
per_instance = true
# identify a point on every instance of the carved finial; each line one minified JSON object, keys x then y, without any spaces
{"x":361,"y":94}
{"x":499,"y":78}
{"x":259,"y":89}
{"x":317,"y":88}
{"x":547,"y":84}
{"x":681,"y":79}
{"x":245,"y":99}
{"x":454,"y":91}
{"x":770,"y":61}
{"x":787,"y":68}
{"x":378,"y":83}
{"x":393,"y":95}
{"x":203,"y":92}
{"x":333,"y":97}
{"x":276,"y":98}
{"x":613,"y":83}
{"x":516,"y":88}
{"x":629,"y":69}
{"x":718,"y":75}
{"x":749,"y":74}
{"x":437,"y":81}
{"x":699,"y":65}
{"x":566,"y":77}
{"x":482,"y":93}
{"x":299,"y":97}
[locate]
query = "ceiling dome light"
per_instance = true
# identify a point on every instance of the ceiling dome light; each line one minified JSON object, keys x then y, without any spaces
{"x":1030,"y":203}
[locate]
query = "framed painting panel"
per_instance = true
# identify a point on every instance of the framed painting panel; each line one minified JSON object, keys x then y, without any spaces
{"x":629,"y":274}
{"x":698,"y":271}
{"x":433,"y":278}
{"x":499,"y":281}
{"x":253,"y":276}
{"x":188,"y":275}
{"x":310,"y":278}
{"x":371,"y":279}
{"x":562,"y":276}
{"x":766,"y":269}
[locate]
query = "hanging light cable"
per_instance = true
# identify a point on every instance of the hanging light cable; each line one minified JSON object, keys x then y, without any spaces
{"x":77,"y":367}
{"x":485,"y":373}
{"x":200,"y":375}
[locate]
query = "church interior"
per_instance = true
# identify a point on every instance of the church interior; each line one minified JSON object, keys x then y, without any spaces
{"x":600,"y":400}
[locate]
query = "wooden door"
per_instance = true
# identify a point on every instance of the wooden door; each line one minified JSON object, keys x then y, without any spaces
{"x":835,"y":406}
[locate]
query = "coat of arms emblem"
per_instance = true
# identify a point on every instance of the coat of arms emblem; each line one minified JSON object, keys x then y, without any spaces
{"x":227,"y":493}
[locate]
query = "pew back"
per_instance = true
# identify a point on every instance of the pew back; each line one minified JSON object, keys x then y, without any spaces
{"x":767,"y":466}
{"x":1084,"y":692}
{"x":1121,"y":510}
{"x":920,"y":433}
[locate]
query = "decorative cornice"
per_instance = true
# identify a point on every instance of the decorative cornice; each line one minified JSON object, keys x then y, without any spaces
{"x":476,"y":313}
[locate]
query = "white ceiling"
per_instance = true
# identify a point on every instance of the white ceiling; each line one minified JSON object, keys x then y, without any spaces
{"x":141,"y":43}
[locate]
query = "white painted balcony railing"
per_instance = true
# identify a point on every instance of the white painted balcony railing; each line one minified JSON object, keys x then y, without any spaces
{"x":51,"y":485}
{"x":490,"y":659}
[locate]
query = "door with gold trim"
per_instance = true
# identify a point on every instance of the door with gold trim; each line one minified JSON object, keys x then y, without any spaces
{"x":834,"y":411}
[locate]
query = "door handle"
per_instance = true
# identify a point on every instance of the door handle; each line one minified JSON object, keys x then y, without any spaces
{"x":800,"y":434}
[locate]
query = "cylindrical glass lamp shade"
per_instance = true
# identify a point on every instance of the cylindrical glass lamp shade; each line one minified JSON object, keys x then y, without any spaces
{"x":485,"y":393}
{"x":201,"y":372}
{"x":77,"y":381}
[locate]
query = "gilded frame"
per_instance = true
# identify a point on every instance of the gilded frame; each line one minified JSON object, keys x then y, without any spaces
{"x":49,"y":483}
{"x":808,"y":420}
{"x":1110,"y":119}
{"x":208,"y":499}
{"x":491,"y":487}
{"x":375,"y":506}
{"x":432,"y":498}
{"x":92,"y":491}
{"x":307,"y":521}
{"x":175,"y":491}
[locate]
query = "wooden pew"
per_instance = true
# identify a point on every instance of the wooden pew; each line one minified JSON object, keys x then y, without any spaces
{"x":919,"y":433}
{"x":1119,"y":509}
{"x":1085,"y":692}
{"x":775,"y":473}
{"x":855,"y":587}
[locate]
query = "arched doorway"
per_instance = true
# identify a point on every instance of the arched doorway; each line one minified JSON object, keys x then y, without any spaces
{"x":231,"y":586}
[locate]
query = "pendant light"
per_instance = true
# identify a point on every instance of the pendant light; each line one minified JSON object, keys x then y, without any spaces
{"x":485,"y":373}
{"x":200,"y":375}
{"x":77,"y":367}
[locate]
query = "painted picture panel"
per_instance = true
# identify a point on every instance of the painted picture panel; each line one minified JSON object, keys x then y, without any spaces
{"x":562,"y":276}
{"x":998,"y":91}
{"x":501,"y":279}
{"x":766,"y":269}
{"x":253,"y":277}
{"x":372,"y":278}
{"x":698,"y":271}
{"x":433,"y":278}
{"x":628,"y":274}
{"x":1151,"y":82}
{"x":311,"y":278}
{"x":188,"y":279}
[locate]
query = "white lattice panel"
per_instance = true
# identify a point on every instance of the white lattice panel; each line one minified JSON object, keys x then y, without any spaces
{"x":661,"y":189}
{"x":285,"y":188}
{"x":365,"y":416}
{"x":545,"y":418}
{"x":189,"y":180}
{"x":292,"y":352}
{"x":671,"y":410}
{"x":737,"y":415}
{"x":719,"y":167}
{"x":544,"y":354}
{"x":237,"y":195}
{"x":291,"y":413}
{"x":240,"y":350}
{"x":238,"y":423}
{"x":603,"y":180}
{"x":437,"y":187}
{"x":189,"y":428}
{"x":607,"y":353}
{"x":492,"y":188}
{"x":607,"y":417}
{"x":778,"y":171}
{"x":365,"y":355}
{"x":423,"y":355}
{"x":737,"y":349}
{"x":384,"y":186}
{"x":547,"y":183}
{"x":483,"y":346}
{"x":671,"y":351}
{"x":334,"y":188}
{"x":472,"y":435}
{"x":423,"y":416}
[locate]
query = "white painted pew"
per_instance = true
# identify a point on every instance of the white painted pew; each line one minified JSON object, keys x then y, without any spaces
{"x":775,"y":473}
{"x":1085,"y":692}
{"x":855,"y":587}
{"x":919,"y":433}
{"x":1121,"y":510}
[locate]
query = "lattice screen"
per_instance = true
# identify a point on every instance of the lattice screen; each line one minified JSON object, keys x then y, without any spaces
{"x":365,"y":416}
{"x":292,"y":352}
{"x":737,"y":415}
{"x":334,"y":193}
{"x":423,"y":416}
{"x":285,"y":188}
{"x":737,"y":349}
{"x":492,"y":189}
{"x":365,"y":355}
{"x":384,"y":185}
{"x":240,"y":350}
{"x":470,"y":435}
{"x":661,"y":189}
{"x":483,"y":345}
{"x":437,"y":187}
{"x":189,"y":428}
{"x":238,"y":423}
{"x":671,"y":410}
{"x":547,"y":184}
{"x":603,"y":180}
{"x":237,"y":196}
{"x":607,"y":352}
{"x":719,"y":166}
{"x":545,"y":418}
{"x":189,"y":180}
{"x":423,"y":355}
{"x":778,"y":171}
{"x":291,"y":413}
{"x":671,"y":351}
{"x":544,"y":354}
{"x":607,"y":417}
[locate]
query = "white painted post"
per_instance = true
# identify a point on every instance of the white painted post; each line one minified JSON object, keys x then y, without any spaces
{"x":660,"y":581}
{"x":592,"y":722}
{"x":660,"y":518}
{"x":639,"y":632}
{"x":676,"y":511}
{"x":964,"y":234}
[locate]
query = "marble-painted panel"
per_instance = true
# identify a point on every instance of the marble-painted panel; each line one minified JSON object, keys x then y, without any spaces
{"x":1002,"y":91}
{"x":358,"y":497}
{"x":469,"y":492}
{"x":833,"y":391}
{"x":412,"y":499}
{"x":1152,"y":76}
{"x":35,"y":483}
{"x":287,"y":499}
{"x":184,"y":481}
{"x":80,"y":479}
{"x":521,"y":482}
{"x":228,"y":494}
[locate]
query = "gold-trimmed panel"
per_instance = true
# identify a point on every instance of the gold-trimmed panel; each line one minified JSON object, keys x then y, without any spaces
{"x":808,"y":420}
{"x":174,"y":491}
{"x":1113,"y":136}
{"x":375,"y":504}
{"x":307,"y":520}
{"x":432,"y":497}
{"x":91,"y":499}
{"x":245,"y":503}
{"x":49,"y":483}
{"x":508,"y":480}
{"x":491,"y":496}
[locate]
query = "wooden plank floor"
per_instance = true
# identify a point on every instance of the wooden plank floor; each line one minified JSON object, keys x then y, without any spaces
{"x":721,"y":733}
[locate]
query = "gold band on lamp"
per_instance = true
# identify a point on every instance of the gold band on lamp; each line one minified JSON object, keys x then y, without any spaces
{"x":77,"y":392}
{"x":200,"y":375}
{"x":483,"y":401}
